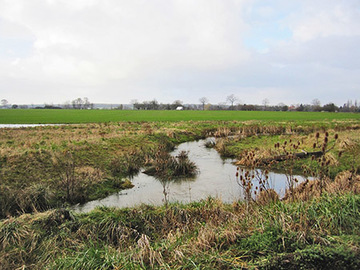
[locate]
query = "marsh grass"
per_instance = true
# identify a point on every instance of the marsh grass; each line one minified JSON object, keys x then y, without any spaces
{"x":46,"y":167}
{"x":317,"y":228}
{"x":205,"y":234}
{"x":113,"y":152}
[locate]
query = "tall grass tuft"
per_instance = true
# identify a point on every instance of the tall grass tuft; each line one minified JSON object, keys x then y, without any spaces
{"x":165,"y":167}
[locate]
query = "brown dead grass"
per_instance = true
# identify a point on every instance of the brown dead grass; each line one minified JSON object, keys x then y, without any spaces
{"x":309,"y":189}
{"x":267,"y":196}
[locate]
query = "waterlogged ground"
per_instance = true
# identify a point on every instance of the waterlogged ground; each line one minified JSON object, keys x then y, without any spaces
{"x":216,"y":178}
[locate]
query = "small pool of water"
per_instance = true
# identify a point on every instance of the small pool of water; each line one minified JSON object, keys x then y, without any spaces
{"x":217,"y":178}
{"x":26,"y":125}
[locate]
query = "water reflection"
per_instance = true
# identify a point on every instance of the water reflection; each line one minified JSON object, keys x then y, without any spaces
{"x":217,"y":178}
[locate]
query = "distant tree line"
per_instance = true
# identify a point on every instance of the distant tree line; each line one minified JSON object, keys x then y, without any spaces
{"x":231,"y":103}
{"x":79,"y":104}
{"x":155,"y":105}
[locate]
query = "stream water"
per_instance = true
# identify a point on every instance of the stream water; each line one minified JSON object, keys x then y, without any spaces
{"x":216,"y":179}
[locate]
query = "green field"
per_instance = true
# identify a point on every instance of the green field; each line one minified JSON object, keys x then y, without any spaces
{"x":98,"y":116}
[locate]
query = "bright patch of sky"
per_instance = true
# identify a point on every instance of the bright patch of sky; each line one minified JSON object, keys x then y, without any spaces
{"x":13,"y":42}
{"x":117,"y":50}
{"x":14,"y":47}
{"x":266,"y":26}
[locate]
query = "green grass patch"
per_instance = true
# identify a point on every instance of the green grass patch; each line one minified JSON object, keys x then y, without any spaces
{"x":33,"y":116}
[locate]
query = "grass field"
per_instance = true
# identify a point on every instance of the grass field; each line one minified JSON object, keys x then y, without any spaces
{"x":98,"y":116}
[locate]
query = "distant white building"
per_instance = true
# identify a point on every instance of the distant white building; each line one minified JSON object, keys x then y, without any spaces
{"x":180,"y":108}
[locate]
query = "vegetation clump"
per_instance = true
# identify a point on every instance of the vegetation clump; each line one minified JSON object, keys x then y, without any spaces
{"x":167,"y":167}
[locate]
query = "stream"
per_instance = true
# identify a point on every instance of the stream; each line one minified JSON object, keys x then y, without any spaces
{"x":216,"y":179}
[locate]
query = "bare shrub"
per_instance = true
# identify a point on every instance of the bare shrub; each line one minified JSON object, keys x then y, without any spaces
{"x":74,"y":180}
{"x":250,"y":173}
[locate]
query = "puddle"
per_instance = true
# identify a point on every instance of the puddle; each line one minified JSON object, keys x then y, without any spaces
{"x":26,"y":125}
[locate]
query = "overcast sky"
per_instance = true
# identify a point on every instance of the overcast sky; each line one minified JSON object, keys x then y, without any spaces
{"x":114,"y":51}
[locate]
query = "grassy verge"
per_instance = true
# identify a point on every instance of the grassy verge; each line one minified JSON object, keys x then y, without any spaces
{"x":317,"y":234}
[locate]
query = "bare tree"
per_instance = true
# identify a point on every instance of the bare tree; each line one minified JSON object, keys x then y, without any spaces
{"x":4,"y":103}
{"x":154,"y":104}
{"x":77,"y":103}
{"x":86,"y":104}
{"x":178,"y":102}
{"x":135,"y":103}
{"x":265,"y":102}
{"x":203,"y":101}
{"x":316,"y":105}
{"x":231,"y":99}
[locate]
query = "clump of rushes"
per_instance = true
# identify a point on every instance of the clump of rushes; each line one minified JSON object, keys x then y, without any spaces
{"x":165,"y":166}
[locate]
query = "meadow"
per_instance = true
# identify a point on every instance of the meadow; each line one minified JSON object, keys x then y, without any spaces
{"x":43,"y":116}
{"x":46,"y":169}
